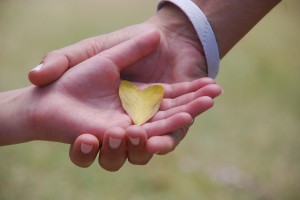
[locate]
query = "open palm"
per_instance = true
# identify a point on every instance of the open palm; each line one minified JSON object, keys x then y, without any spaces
{"x":173,"y":59}
{"x":85,"y":99}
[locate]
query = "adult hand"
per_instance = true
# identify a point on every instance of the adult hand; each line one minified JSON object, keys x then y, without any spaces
{"x":85,"y":100}
{"x":181,"y":103}
{"x":179,"y":56}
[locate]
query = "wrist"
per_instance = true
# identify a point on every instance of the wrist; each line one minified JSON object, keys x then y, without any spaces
{"x":204,"y":32}
{"x":15,"y":117}
{"x":172,"y":21}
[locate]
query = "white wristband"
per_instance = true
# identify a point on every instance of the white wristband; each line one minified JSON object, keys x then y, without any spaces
{"x":204,"y":32}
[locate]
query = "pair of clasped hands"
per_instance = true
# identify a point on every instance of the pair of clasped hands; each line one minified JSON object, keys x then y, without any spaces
{"x":79,"y":104}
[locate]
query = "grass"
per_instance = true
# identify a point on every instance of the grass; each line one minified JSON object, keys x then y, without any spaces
{"x":246,"y":147}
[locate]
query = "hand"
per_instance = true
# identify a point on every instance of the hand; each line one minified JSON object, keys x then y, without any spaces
{"x":178,"y":57}
{"x":85,"y":100}
{"x":152,"y":136}
{"x":179,"y":54}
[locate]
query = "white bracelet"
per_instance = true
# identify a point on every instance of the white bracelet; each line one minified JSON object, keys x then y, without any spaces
{"x":204,"y":32}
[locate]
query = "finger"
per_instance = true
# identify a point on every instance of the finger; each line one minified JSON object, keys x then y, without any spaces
{"x":111,"y":61}
{"x":178,"y":89}
{"x":170,"y":124}
{"x":56,"y":62}
{"x":136,"y":146}
{"x":84,"y":150}
{"x":211,"y":90}
{"x":194,"y":108}
{"x":166,"y":143}
{"x":113,"y":150}
{"x":132,"y":50}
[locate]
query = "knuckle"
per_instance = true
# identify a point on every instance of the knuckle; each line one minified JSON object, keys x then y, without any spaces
{"x":52,"y":53}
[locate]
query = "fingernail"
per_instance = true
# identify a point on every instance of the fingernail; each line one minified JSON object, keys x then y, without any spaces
{"x":37,"y":68}
{"x":222,"y":91}
{"x":135,"y":141}
{"x":86,"y":148}
{"x":114,"y":142}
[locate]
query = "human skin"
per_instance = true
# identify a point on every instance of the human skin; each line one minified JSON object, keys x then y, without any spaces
{"x":85,"y":101}
{"x":180,"y":53}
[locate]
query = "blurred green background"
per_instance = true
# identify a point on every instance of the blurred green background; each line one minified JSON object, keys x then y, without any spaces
{"x":246,"y":147}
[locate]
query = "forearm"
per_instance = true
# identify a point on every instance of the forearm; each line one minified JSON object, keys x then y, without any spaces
{"x":233,"y":19}
{"x":230,"y":20}
{"x":14,"y":120}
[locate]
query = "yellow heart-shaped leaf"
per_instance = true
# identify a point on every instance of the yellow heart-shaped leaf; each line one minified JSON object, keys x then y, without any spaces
{"x":139,"y":104}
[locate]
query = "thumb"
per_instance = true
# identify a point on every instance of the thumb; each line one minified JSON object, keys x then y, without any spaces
{"x":130,"y":51}
{"x":57,"y":62}
{"x":51,"y":68}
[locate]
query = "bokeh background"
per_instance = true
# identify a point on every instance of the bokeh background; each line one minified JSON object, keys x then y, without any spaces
{"x":247,"y":147}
